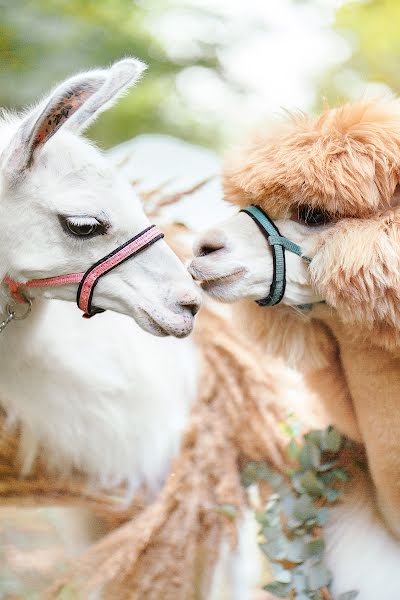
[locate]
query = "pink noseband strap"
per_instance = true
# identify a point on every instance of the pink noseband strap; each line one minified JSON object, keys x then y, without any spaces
{"x":88,"y":281}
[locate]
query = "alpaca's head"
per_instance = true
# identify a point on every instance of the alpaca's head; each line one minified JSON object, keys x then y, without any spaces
{"x":330,"y":185}
{"x":63,"y":207}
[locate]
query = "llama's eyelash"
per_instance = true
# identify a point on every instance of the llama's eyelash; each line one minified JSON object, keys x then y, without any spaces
{"x":83,"y":226}
{"x":82,"y":221}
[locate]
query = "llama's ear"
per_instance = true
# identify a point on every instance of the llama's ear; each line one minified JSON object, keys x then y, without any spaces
{"x":73,"y":104}
{"x":120,"y":77}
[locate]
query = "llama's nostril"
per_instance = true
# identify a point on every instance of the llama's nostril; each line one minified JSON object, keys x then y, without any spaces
{"x":191,"y":304}
{"x":193,"y":308}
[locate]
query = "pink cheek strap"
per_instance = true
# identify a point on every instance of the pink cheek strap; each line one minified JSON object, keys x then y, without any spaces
{"x":88,"y":281}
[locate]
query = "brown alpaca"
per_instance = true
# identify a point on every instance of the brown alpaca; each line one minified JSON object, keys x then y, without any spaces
{"x":330,"y":185}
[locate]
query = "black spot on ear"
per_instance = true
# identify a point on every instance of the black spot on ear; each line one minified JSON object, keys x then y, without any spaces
{"x":57,"y":114}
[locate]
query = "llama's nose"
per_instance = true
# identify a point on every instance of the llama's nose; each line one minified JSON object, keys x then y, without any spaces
{"x":191,"y":302}
{"x":210,"y":242}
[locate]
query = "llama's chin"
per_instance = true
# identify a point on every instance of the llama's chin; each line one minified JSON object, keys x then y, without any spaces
{"x":176,"y":325}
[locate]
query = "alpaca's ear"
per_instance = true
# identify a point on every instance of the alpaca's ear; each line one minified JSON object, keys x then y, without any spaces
{"x":73,"y":104}
{"x":395,"y":200}
{"x":356,"y":269}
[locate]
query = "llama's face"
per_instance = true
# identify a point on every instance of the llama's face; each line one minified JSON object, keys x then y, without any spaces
{"x":330,"y":187}
{"x":63,"y":207}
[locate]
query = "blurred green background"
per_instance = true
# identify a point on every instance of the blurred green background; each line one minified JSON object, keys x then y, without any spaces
{"x":216,"y":67}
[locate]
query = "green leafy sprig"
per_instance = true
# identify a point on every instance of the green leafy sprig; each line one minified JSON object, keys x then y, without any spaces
{"x":291,"y":524}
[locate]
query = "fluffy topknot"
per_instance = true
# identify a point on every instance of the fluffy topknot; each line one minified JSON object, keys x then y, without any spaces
{"x":347,"y":161}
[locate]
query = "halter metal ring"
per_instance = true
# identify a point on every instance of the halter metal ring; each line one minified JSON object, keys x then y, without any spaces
{"x":23,"y":316}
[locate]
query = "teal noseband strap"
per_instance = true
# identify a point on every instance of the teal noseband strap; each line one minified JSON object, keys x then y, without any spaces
{"x":278,"y":244}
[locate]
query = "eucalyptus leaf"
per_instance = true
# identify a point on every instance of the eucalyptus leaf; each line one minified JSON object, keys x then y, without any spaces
{"x":327,"y":466}
{"x":293,"y":450}
{"x":271,"y":533}
{"x":253,"y":472}
{"x":340,"y":474}
{"x":318,"y":576}
{"x":314,"y":436}
{"x":228,"y":510}
{"x":281,"y":590}
{"x":348,"y":595}
{"x":281,"y":575}
{"x":68,"y":592}
{"x":296,"y":551}
{"x":322,"y":516}
{"x":296,"y":482}
{"x":314,"y":548}
{"x":299,"y":580}
{"x":277,"y":548}
{"x":331,"y":494}
{"x":311,"y":484}
{"x":331,"y":440}
{"x":304,"y":509}
{"x":310,"y":455}
{"x":295,"y":545}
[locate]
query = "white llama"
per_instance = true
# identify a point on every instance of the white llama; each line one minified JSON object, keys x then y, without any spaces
{"x":99,"y":395}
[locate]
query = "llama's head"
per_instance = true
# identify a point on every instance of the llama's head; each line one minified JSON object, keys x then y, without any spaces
{"x":63,"y":207}
{"x":330,"y":185}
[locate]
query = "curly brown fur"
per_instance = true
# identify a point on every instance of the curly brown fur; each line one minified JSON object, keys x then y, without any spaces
{"x":346,"y":163}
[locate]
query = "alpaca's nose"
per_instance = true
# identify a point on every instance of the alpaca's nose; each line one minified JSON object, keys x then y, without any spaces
{"x":211,"y":241}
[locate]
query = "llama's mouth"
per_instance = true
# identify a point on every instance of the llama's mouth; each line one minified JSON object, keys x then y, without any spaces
{"x":176,"y":325}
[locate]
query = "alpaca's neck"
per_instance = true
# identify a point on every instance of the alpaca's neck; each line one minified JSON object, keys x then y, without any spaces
{"x":283,"y":332}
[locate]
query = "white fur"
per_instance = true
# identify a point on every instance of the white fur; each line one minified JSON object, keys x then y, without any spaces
{"x":65,"y":175}
{"x":101,"y":395}
{"x":241,"y":249}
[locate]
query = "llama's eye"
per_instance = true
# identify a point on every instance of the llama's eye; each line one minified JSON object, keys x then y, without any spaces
{"x":86,"y":229}
{"x":311,"y":216}
{"x":82,"y":226}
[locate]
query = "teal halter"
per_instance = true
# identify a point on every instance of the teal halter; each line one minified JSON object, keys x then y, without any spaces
{"x":278,"y":244}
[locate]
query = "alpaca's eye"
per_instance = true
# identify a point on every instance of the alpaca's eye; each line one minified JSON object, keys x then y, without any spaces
{"x":82,"y":226}
{"x":312,"y":216}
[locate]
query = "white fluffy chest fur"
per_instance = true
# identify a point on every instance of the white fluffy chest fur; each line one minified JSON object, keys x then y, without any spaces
{"x":101,"y":395}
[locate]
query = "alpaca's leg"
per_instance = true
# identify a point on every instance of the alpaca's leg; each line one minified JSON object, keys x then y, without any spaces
{"x":373,"y":377}
{"x":239,"y":571}
{"x":361,"y":553}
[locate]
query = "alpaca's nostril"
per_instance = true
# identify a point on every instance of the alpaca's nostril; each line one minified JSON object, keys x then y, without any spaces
{"x":209,"y":249}
{"x":210,"y":242}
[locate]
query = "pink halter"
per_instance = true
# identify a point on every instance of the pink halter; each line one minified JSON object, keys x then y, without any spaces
{"x":88,"y":281}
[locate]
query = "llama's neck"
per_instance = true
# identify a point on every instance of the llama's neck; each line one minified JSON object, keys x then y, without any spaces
{"x":101,"y":396}
{"x":4,"y":295}
{"x":8,"y":126}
